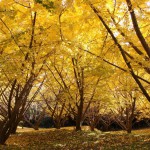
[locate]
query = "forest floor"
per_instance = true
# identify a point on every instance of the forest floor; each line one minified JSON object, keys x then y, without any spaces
{"x":68,"y":139}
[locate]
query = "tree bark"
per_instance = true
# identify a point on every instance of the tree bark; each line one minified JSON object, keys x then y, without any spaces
{"x":137,"y":29}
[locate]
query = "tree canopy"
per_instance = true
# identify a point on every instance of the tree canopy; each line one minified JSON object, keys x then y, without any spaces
{"x":76,"y":52}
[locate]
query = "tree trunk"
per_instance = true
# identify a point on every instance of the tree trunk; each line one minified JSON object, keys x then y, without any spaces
{"x":129,"y":129}
{"x":78,"y":127}
{"x":79,"y":116}
{"x":129,"y":126}
{"x":57,"y":123}
{"x":36,"y":127}
{"x":6,"y":131}
{"x":92,"y":128}
{"x":9,"y":127}
{"x":58,"y":126}
{"x":14,"y":128}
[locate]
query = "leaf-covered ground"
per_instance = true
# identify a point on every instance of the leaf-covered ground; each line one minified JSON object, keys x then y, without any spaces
{"x":68,"y":139}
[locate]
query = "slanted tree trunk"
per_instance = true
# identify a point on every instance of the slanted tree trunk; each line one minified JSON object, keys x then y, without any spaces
{"x":5,"y":131}
{"x":8,"y":126}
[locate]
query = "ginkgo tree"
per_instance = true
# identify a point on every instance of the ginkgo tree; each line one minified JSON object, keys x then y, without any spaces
{"x":127,"y":97}
{"x":122,"y":24}
{"x":78,"y":82}
{"x":23,"y":55}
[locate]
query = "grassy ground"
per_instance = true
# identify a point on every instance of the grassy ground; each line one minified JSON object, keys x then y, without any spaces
{"x":68,"y":139}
